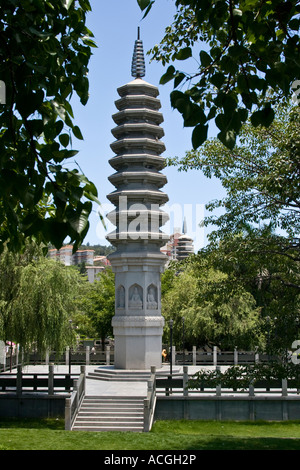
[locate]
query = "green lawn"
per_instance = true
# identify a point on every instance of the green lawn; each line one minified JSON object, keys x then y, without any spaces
{"x":165,"y":435}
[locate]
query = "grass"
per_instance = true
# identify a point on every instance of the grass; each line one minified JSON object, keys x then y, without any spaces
{"x":165,"y":435}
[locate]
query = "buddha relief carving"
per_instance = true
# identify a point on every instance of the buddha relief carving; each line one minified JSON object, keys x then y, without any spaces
{"x":152,"y":297}
{"x":136,"y":297}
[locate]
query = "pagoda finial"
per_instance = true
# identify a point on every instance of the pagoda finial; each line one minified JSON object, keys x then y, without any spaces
{"x":138,"y":61}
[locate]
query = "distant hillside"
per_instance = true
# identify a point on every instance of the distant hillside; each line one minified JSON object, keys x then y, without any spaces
{"x":100,"y":250}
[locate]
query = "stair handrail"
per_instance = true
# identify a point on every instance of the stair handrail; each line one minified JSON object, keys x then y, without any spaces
{"x":150,"y":401}
{"x":73,"y":403}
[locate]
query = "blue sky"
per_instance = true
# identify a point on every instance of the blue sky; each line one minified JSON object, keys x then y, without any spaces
{"x":114,"y":24}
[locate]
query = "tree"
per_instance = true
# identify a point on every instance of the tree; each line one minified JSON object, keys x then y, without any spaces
{"x":37,"y":300}
{"x":45,"y":49}
{"x":248,"y":59}
{"x":215,"y":311}
{"x":261,"y":176}
{"x":256,"y":237}
{"x":99,"y":304}
{"x":270,"y":278}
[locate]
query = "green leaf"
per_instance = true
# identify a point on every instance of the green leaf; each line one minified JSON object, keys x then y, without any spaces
{"x":144,"y":4}
{"x":148,"y":8}
{"x":67,"y":3}
{"x":169,"y":75}
{"x":64,"y":139}
{"x":178,"y":79}
{"x":217,"y":79}
{"x":179,"y":100}
{"x":193,"y":115}
{"x":228,"y":138}
{"x":77,"y":133}
{"x":205,"y":59}
{"x":199,"y":135}
{"x":263,"y":117}
{"x":27,"y":104}
{"x":184,"y":53}
{"x":79,"y":222}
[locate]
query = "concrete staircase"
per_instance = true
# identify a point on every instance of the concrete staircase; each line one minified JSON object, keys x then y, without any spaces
{"x":108,"y":413}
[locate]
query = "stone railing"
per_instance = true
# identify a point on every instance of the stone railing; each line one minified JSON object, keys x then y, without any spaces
{"x":90,"y":356}
{"x":49,"y":383}
{"x":73,"y":403}
{"x":177,"y":384}
{"x":150,"y":401}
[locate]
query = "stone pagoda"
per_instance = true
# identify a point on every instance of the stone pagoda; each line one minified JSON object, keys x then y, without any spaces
{"x":138,"y":261}
{"x":185,"y":246}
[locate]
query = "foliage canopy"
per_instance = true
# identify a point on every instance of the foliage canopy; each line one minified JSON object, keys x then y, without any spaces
{"x":37,"y":300}
{"x":45,"y":49}
{"x":246,"y":51}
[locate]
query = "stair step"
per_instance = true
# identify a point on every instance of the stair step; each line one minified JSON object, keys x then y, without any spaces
{"x":114,"y":398}
{"x":108,"y":429}
{"x":124,"y":375}
{"x":117,"y":378}
{"x":111,"y":424}
{"x":97,"y":415}
{"x":109,"y":419}
{"x":109,"y":406}
{"x":110,"y":413}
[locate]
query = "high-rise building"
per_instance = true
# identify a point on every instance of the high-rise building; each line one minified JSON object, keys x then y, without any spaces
{"x":66,"y":256}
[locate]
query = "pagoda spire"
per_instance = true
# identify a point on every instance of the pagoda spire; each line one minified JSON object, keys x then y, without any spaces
{"x":138,"y":69}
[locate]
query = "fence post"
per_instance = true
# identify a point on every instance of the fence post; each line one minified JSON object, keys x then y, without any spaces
{"x":219,"y":386}
{"x":215,"y":356}
{"x":185,"y":381}
{"x":68,"y":414}
{"x":107,"y":355}
{"x":284,"y":387}
{"x":146,"y":415}
{"x":194,"y":355}
{"x":87,"y":355}
{"x":47,"y":358}
{"x":251,"y":390}
{"x":256,"y":358}
{"x":51,"y":380}
{"x":19,"y":379}
{"x":67,"y":355}
{"x":235,"y":357}
{"x":17,"y":353}
{"x":82,"y":371}
{"x":173,"y":355}
{"x":76,"y":390}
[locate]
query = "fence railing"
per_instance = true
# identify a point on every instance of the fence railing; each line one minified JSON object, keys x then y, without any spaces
{"x":89,"y":356}
{"x":73,"y":403}
{"x":177,"y":384}
{"x":50,"y":383}
{"x":150,"y":402}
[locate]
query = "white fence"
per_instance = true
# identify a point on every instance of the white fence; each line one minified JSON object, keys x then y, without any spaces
{"x":90,"y":356}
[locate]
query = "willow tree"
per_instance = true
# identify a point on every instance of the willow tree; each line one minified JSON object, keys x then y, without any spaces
{"x":37,"y":301}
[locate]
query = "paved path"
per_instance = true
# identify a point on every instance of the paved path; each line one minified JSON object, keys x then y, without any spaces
{"x":99,"y":387}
